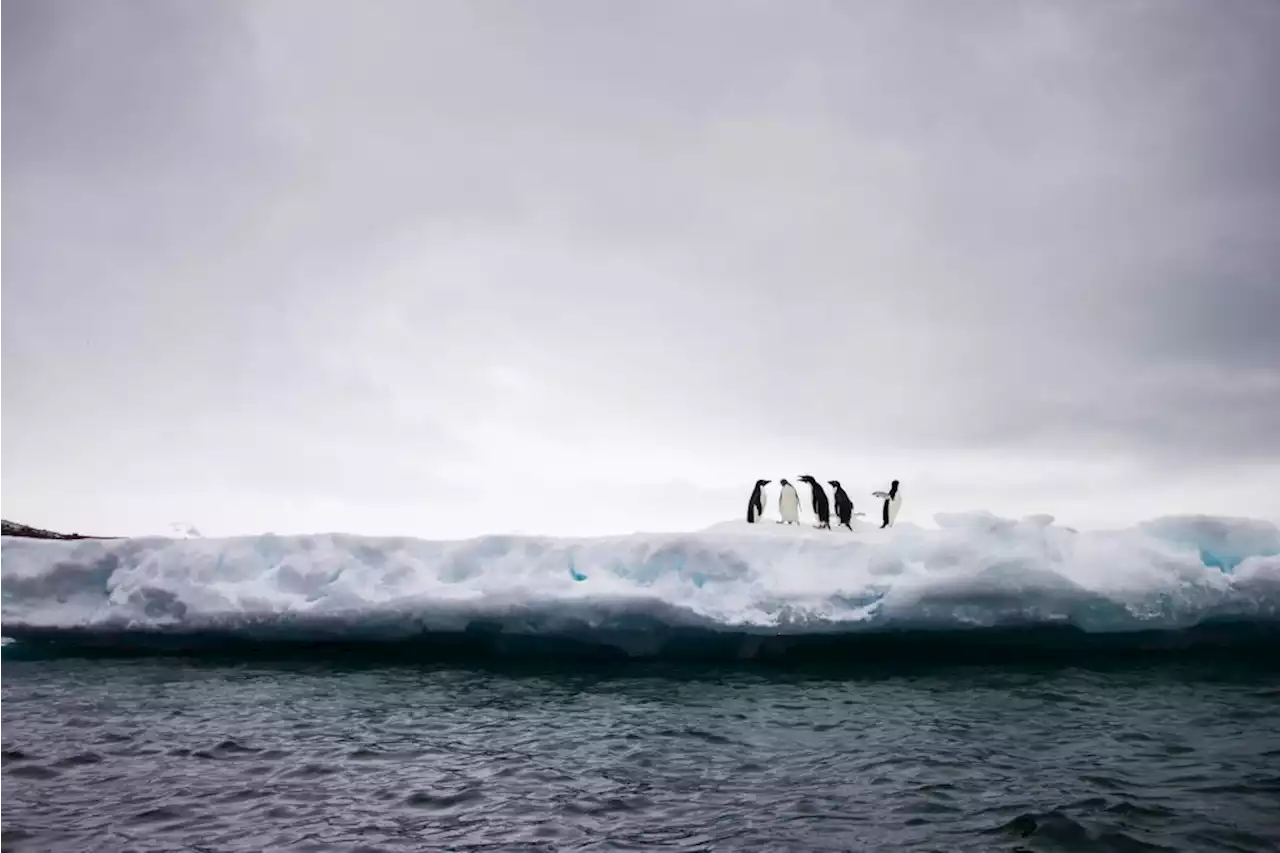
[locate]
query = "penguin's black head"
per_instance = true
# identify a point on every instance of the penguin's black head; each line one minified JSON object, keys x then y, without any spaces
{"x":835,"y":484}
{"x":894,"y":483}
{"x":784,"y":483}
{"x":805,"y":478}
{"x":763,"y":482}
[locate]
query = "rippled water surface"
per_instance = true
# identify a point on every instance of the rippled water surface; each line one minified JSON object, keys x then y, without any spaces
{"x":179,"y":755}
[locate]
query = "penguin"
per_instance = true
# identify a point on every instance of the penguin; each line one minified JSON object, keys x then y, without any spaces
{"x":755,"y":506}
{"x":821,"y":509}
{"x":788,"y":504}
{"x":844,"y":506}
{"x":891,"y":502}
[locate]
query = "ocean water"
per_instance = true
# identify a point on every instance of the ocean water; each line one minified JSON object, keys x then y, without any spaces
{"x":209,"y":754}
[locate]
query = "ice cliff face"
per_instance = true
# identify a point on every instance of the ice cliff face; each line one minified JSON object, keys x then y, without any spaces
{"x":976,"y":571}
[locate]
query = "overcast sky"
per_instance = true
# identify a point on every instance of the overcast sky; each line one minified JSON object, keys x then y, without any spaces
{"x":576,"y":267}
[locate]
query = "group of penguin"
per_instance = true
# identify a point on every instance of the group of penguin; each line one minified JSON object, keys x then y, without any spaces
{"x":789,"y":503}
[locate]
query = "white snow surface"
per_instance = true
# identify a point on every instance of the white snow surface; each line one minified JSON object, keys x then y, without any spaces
{"x":976,"y":570}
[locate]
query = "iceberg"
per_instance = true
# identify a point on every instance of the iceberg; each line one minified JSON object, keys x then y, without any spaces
{"x":735,"y":591}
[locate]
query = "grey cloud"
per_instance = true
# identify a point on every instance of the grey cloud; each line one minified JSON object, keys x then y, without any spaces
{"x":1049,"y":228}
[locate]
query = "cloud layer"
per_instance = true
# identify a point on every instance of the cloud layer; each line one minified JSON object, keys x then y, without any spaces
{"x":447,"y":268}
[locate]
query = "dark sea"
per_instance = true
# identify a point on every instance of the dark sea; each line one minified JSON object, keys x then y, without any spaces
{"x":174,"y":754}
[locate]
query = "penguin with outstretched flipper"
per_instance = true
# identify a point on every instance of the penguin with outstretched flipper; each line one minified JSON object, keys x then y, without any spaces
{"x":892,"y":500}
{"x":821,"y":509}
{"x":755,"y":506}
{"x":844,"y":506}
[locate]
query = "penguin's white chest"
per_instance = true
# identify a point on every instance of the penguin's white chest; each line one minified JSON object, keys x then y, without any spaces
{"x":789,"y":503}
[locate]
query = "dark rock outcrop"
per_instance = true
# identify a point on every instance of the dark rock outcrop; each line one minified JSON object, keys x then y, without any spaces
{"x":25,"y":531}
